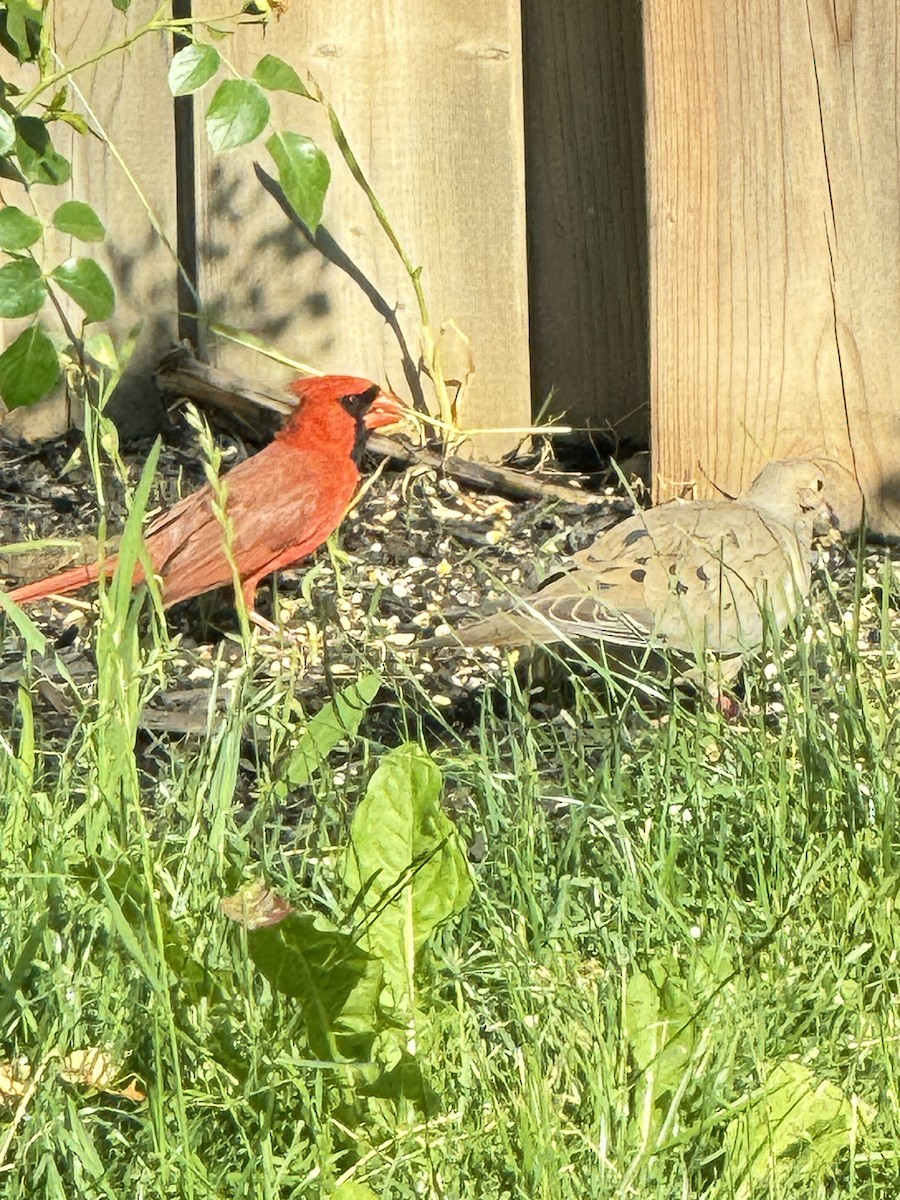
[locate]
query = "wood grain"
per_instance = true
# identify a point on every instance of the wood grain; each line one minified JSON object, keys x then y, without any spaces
{"x":774,"y":192}
{"x":430,"y":99}
{"x":125,"y":97}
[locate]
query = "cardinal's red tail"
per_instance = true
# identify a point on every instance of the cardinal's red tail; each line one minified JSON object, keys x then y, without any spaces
{"x":63,"y":584}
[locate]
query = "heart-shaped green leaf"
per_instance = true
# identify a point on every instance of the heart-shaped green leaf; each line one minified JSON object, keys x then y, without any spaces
{"x":17,"y":229}
{"x":88,"y":285}
{"x":304,"y":174}
{"x":79,"y":221}
{"x":236,"y":115}
{"x":28,"y":368}
{"x":22,"y":288}
{"x":192,"y":67}
{"x":278,"y":76}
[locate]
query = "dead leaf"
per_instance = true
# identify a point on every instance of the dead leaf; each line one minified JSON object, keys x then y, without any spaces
{"x":14,"y":1078}
{"x":255,"y":906}
{"x":94,"y":1068}
{"x":453,"y":355}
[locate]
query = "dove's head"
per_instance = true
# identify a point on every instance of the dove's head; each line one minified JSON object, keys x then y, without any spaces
{"x":817,"y":490}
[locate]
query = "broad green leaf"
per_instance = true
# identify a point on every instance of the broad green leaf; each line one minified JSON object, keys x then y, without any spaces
{"x":88,"y":285}
{"x":17,"y":229}
{"x":28,"y":368}
{"x":38,"y":160}
{"x":236,"y":115}
{"x":20,"y":29}
{"x":358,"y":1024}
{"x":306,"y":957}
{"x":353,"y":1190}
{"x":278,"y":76}
{"x":405,"y":1082}
{"x":789,"y":1135}
{"x":121,"y":5}
{"x":192,"y":67}
{"x":337,"y":720}
{"x":659,"y":1029}
{"x":22,"y":288}
{"x":7,"y":132}
{"x":304,"y":174}
{"x":406,"y":852}
{"x":342,"y":1016}
{"x":80,"y":221}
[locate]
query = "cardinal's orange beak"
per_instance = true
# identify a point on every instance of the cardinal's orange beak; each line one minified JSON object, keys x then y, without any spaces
{"x":385,"y":409}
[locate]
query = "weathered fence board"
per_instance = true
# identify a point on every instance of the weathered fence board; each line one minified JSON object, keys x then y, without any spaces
{"x":774,"y":193}
{"x":587,"y":241}
{"x":124,"y":96}
{"x":430,"y":99}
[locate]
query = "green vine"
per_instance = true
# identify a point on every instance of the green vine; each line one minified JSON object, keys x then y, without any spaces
{"x":237,"y":113}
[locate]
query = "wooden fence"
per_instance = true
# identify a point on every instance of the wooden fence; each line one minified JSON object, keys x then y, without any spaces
{"x":690,"y":211}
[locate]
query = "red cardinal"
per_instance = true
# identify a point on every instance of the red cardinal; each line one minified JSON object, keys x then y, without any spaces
{"x":283,"y":502}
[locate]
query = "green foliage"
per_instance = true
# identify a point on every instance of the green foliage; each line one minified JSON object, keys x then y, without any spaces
{"x":677,"y":975}
{"x":88,"y":285}
{"x":80,"y":221}
{"x":338,"y":719}
{"x":18,"y":230}
{"x":7,"y":133}
{"x":29,"y":368}
{"x":353,"y":1191}
{"x":406,"y":862}
{"x":191,"y":67}
{"x":38,"y":161}
{"x":22,"y":288}
{"x":237,"y":114}
{"x":659,"y":1026}
{"x":21,"y":23}
{"x":346,"y":983}
{"x":278,"y":76}
{"x":303,"y":172}
{"x":307,"y":958}
{"x":789,"y":1134}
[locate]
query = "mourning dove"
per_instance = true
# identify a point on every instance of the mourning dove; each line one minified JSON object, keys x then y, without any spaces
{"x":689,"y":576}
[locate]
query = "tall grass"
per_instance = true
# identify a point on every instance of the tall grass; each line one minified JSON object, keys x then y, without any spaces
{"x":668,"y":909}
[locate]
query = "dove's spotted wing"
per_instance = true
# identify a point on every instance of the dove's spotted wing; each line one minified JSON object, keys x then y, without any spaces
{"x":697,"y":575}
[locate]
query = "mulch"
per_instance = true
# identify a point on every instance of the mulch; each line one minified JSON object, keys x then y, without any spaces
{"x":419,"y":553}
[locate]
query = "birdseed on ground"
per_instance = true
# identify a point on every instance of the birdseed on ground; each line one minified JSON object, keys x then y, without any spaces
{"x":418,"y":556}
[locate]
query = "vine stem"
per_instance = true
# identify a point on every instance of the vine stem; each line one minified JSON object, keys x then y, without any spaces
{"x":430,"y":353}
{"x":158,"y":23}
{"x":136,"y":188}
